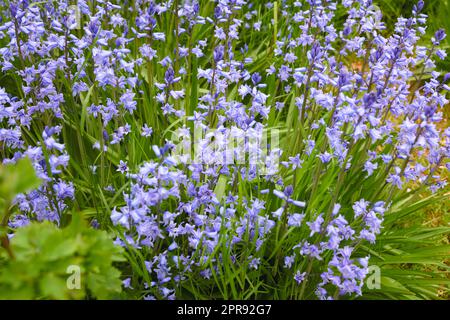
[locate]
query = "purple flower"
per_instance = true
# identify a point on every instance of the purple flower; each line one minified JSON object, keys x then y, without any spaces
{"x":295,"y":220}
{"x":315,"y":226}
{"x":439,"y":36}
{"x":325,"y":157}
{"x":288,"y":261}
{"x":254,"y":263}
{"x":256,"y":78}
{"x":123,"y":167}
{"x":218,"y":53}
{"x":127,"y":283}
{"x":169,"y":75}
{"x":299,"y":277}
{"x":146,"y":131}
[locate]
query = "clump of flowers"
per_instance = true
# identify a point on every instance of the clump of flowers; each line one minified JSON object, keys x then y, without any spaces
{"x":228,"y":145}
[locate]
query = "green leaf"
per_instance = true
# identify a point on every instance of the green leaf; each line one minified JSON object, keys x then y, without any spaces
{"x":53,"y":286}
{"x":17,"y":178}
{"x":43,"y":254}
{"x":394,"y":285}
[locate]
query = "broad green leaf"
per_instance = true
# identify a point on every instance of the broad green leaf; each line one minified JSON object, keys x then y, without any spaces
{"x":17,"y":178}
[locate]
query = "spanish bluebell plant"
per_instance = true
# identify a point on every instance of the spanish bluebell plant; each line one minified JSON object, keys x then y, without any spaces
{"x":234,"y":149}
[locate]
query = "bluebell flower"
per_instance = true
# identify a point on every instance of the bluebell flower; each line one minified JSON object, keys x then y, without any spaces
{"x":316,"y":225}
{"x":123,"y":167}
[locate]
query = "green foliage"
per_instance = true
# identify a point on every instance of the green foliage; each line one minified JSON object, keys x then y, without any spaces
{"x":412,"y":256}
{"x":46,"y":261}
{"x":14,"y":179}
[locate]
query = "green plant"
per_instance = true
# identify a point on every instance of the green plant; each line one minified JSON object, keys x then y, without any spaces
{"x":41,"y":260}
